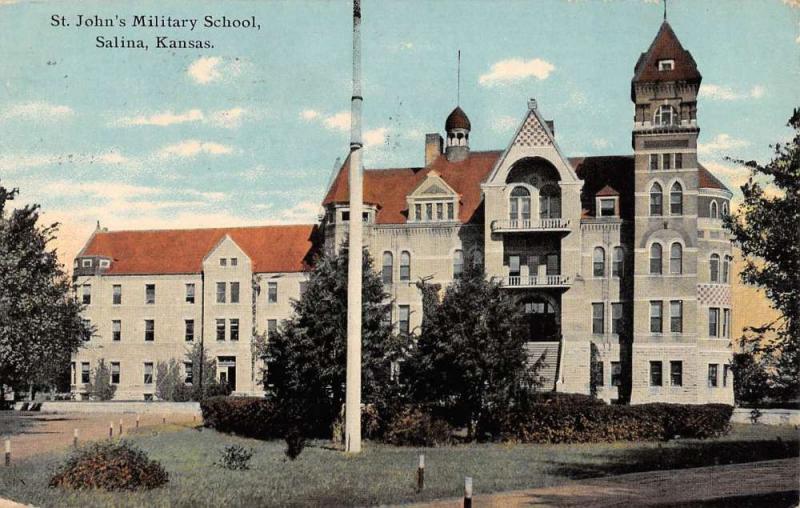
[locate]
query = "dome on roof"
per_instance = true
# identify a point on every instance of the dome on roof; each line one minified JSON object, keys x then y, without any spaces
{"x":457,"y":119}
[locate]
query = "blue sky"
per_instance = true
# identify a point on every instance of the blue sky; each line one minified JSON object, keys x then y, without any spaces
{"x":248,"y":131}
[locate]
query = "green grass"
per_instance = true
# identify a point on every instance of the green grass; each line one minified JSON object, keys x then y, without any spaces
{"x":381,"y":474}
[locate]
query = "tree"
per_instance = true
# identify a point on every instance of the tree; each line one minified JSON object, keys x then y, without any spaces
{"x":170,"y":382}
{"x":766,"y":229}
{"x":40,"y":317}
{"x":204,"y":374}
{"x":306,"y":359}
{"x":470,"y":359}
{"x":100,"y":387}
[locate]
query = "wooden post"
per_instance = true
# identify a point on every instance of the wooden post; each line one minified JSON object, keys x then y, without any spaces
{"x":110,"y":430}
{"x":467,"y":492}
{"x":137,"y":421}
{"x":120,"y":427}
{"x":421,"y":473}
{"x":164,"y":420}
{"x":75,"y":438}
{"x":8,"y":452}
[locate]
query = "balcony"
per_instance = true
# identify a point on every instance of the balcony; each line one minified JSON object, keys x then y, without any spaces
{"x":536,"y":281}
{"x":530,"y":225}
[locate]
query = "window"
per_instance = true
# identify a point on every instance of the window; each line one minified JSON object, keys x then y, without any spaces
{"x":598,"y":376}
{"x":513,"y":266}
{"x":418,"y":211}
{"x":188,"y":370}
{"x":676,"y":199}
{"x":713,"y":375}
{"x":678,"y":161}
{"x":713,"y":322}
{"x":220,"y":329}
{"x":458,"y":263}
{"x":618,"y":265}
{"x":724,"y":208}
{"x":519,"y":204}
{"x":676,"y":373}
{"x":599,"y":262}
{"x":653,"y":162}
{"x":220,"y":292}
{"x":655,"y":259}
{"x":616,"y":318}
{"x":666,"y":161}
{"x":87,"y":263}
{"x":726,"y":370}
{"x":608,"y":208}
{"x":656,"y":374}
{"x":234,"y":292}
{"x":428,"y":211}
{"x":553,"y":264}
{"x":223,"y":262}
{"x":439,"y":211}
{"x":85,"y":372}
{"x":450,"y":211}
{"x":405,"y":265}
{"x":87,"y":294}
{"x":116,"y":294}
{"x":150,"y":294}
{"x":234,"y":261}
{"x":726,"y":264}
{"x":656,"y":200}
{"x":87,"y":328}
{"x":616,"y":374}
{"x":665,"y":115}
{"x":189,"y":293}
{"x":387,"y":269}
{"x":550,"y":202}
{"x":149,"y":330}
{"x":676,"y":258}
{"x":676,"y":316}
{"x":234,"y":329}
{"x":712,"y":209}
{"x":726,"y":323}
{"x":666,"y":65}
{"x":598,"y":318}
{"x":272,"y":292}
{"x":148,"y":373}
{"x":73,"y":374}
{"x":656,"y":317}
{"x":272,"y":328}
{"x":188,"y":334}
{"x":714,"y":268}
{"x":116,"y":330}
{"x":403,"y":312}
{"x":114,"y":373}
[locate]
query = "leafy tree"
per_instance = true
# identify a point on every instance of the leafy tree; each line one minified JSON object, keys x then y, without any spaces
{"x":170,"y":383}
{"x":306,"y":359}
{"x":100,"y":387}
{"x":766,"y":229}
{"x":751,"y":383}
{"x":208,"y":386}
{"x":470,"y":359}
{"x":40,"y":320}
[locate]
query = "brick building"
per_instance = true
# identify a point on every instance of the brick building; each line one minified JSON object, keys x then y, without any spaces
{"x":620,"y":262}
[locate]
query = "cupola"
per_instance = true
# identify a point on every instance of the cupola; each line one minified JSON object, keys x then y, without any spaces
{"x":457,"y":128}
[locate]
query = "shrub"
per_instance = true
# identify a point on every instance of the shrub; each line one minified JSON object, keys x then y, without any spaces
{"x":110,"y":466}
{"x":235,"y":457}
{"x":101,"y":387}
{"x":565,"y":399}
{"x":413,"y":426}
{"x":246,"y":416}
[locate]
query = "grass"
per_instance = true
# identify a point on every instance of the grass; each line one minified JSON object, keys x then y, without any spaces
{"x":381,"y":474}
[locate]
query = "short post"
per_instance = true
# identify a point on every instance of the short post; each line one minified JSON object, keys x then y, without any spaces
{"x":110,"y":430}
{"x":75,"y":438}
{"x":137,"y":421}
{"x":164,"y":420}
{"x":421,"y":473}
{"x":467,"y":492}
{"x":120,"y":428}
{"x":8,"y":452}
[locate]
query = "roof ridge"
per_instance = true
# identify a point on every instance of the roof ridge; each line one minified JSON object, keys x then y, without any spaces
{"x":222,"y":228}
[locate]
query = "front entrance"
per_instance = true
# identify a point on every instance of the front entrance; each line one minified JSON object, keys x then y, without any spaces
{"x":226,"y":369}
{"x":541,"y":318}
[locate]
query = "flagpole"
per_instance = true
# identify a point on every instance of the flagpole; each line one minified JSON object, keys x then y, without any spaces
{"x":355,"y":246}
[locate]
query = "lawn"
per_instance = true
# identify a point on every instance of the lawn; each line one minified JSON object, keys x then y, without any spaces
{"x":382,"y":474}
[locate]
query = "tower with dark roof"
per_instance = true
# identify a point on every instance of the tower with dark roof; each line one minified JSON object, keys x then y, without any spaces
{"x":457,"y":127}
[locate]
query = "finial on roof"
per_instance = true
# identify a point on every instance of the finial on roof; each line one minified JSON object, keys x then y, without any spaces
{"x":98,"y":226}
{"x":665,"y":10}
{"x":458,"y":80}
{"x":532,"y":104}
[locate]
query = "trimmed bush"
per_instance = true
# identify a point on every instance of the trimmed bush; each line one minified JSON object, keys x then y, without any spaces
{"x":574,"y":423}
{"x":414,"y":427}
{"x":235,"y":458}
{"x":110,"y":466}
{"x":245,"y":416}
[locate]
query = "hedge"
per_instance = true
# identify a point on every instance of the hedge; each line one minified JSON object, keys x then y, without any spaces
{"x":573,"y":423}
{"x":245,"y":416}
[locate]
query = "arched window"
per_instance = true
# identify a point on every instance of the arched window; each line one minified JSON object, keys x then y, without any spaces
{"x":618,"y":266}
{"x":655,"y":259}
{"x":712,"y":209}
{"x":676,"y":199}
{"x":676,"y":258}
{"x":519,"y":204}
{"x":599,"y":262}
{"x":726,"y":267}
{"x":458,"y":263}
{"x":387,"y":269}
{"x":665,"y":115}
{"x":405,"y":265}
{"x":724,"y":208}
{"x":656,"y":200}
{"x":714,"y":267}
{"x":550,"y":202}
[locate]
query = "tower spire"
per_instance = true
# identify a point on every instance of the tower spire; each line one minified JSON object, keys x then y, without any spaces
{"x":458,"y":79}
{"x":665,"y":10}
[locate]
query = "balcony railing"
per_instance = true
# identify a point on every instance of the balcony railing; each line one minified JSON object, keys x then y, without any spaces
{"x":508,"y":226}
{"x":536,"y":281}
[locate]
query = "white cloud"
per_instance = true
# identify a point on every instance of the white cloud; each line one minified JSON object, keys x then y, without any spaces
{"x":514,"y":70}
{"x":735,"y":175}
{"x":309,"y":114}
{"x":600,"y":143}
{"x":192,"y":148}
{"x":36,"y":111}
{"x":720,"y":144}
{"x":14,"y":162}
{"x":504,"y":123}
{"x":163,"y":119}
{"x":726,"y":93}
{"x":792,"y":3}
{"x":228,"y":118}
{"x":303,"y":212}
{"x":339,"y":121}
{"x":375,"y":137}
{"x":208,"y":69}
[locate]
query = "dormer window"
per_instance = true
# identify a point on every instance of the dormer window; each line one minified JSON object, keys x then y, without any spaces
{"x":608,"y":207}
{"x":86,"y":263}
{"x":666,"y":65}
{"x":104,"y":263}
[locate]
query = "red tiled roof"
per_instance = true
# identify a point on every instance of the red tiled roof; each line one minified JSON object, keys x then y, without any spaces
{"x":607,"y":191}
{"x":388,"y":188}
{"x":666,"y":46}
{"x":707,"y":180}
{"x":270,"y":248}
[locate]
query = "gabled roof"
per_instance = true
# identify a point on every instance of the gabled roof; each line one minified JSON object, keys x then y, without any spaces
{"x":607,"y":191}
{"x":271,"y":249}
{"x":666,"y":46}
{"x":387,"y":188}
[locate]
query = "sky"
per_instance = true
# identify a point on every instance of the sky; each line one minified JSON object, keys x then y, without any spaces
{"x":248,"y":131}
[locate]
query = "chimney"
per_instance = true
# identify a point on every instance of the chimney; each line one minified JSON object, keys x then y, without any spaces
{"x":552,"y":126}
{"x":433,"y":147}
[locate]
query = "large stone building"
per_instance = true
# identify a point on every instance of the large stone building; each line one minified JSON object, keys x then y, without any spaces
{"x":620,"y":262}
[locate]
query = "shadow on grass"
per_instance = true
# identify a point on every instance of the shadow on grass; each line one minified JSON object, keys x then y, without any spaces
{"x":785,"y":499}
{"x":677,"y":455}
